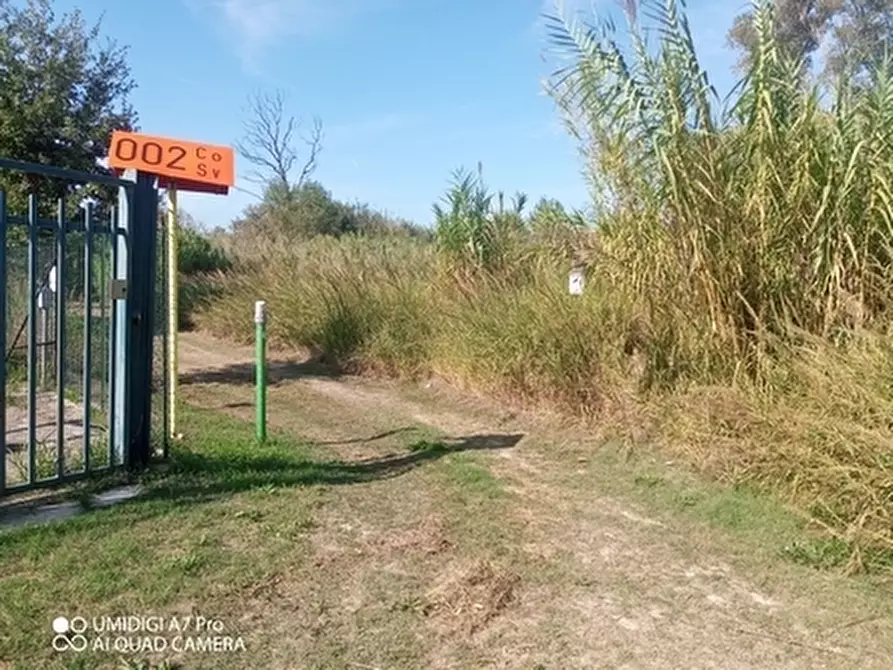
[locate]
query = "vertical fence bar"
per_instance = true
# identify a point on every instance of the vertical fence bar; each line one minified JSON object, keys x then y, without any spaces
{"x":32,"y":337}
{"x":103,"y":297}
{"x":88,"y":331}
{"x":44,"y":335}
{"x":111,"y":350}
{"x":3,"y":273}
{"x":61,"y":289}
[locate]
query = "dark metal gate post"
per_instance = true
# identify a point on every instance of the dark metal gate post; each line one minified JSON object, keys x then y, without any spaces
{"x":143,"y":269}
{"x":138,"y":212}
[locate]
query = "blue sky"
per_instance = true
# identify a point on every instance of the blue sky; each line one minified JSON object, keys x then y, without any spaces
{"x":408,"y":90}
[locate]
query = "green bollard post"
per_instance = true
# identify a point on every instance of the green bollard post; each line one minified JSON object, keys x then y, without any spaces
{"x":260,"y":321}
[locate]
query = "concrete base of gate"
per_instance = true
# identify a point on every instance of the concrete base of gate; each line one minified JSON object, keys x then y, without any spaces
{"x":47,"y":437}
{"x":24,"y":514}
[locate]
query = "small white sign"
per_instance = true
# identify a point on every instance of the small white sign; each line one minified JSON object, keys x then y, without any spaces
{"x":575,"y":283}
{"x":52,"y":279}
{"x":260,"y":312}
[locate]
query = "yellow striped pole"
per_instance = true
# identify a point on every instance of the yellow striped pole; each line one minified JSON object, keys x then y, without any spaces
{"x":172,"y":300}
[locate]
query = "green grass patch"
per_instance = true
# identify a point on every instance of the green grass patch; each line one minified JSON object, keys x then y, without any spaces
{"x":222,"y":520}
{"x":208,"y":528}
{"x":471,"y":479}
{"x":766,"y":526}
{"x":756,"y":517}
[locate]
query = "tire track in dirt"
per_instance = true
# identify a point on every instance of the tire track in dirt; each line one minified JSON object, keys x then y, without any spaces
{"x":637,"y":591}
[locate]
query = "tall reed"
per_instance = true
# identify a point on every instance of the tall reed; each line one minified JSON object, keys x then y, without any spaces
{"x":738,"y":282}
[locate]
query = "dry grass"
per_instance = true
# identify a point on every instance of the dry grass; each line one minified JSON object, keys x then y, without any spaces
{"x":738,"y":292}
{"x":427,"y":537}
{"x":816,"y":432}
{"x":824,"y":442}
{"x":469,"y":596}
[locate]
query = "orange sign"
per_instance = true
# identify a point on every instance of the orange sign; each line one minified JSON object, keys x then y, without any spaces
{"x":191,"y":162}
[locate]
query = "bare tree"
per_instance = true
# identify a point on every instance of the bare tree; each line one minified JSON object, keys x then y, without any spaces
{"x":270,"y":142}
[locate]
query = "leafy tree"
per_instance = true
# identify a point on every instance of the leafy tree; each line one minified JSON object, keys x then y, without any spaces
{"x":863,"y":36}
{"x":800,"y":26}
{"x":371,"y":222}
{"x":292,"y":212}
{"x":855,"y":33}
{"x":62,"y":93}
{"x":310,"y":210}
{"x":315,"y":212}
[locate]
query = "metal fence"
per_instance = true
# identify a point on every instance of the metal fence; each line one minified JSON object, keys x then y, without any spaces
{"x":74,"y":316}
{"x":58,"y":327}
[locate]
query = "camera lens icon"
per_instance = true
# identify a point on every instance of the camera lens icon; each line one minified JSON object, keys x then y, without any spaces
{"x":66,"y":643}
{"x":68,"y":634}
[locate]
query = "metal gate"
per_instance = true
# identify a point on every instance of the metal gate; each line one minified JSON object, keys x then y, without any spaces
{"x":78,"y":284}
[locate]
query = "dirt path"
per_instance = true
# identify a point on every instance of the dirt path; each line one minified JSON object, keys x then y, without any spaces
{"x":591,"y":577}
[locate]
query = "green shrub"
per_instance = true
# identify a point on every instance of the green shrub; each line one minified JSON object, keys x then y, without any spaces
{"x":198,"y":255}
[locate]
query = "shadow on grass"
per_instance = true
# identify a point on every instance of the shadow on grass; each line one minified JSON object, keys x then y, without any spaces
{"x":277,"y":372}
{"x":196,"y":476}
{"x":373,"y":438}
{"x":223,"y":459}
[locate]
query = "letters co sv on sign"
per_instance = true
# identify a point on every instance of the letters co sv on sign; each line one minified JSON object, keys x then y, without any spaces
{"x":176,"y":159}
